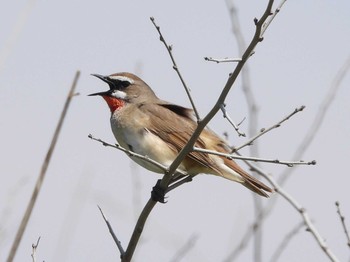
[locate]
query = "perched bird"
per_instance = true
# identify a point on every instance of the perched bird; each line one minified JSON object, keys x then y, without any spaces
{"x":147,"y":125}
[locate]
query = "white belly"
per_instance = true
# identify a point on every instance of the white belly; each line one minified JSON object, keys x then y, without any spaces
{"x":145,"y":143}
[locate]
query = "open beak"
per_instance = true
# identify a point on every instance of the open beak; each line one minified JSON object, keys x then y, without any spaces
{"x":103,"y":78}
{"x":106,"y":93}
{"x":106,"y":80}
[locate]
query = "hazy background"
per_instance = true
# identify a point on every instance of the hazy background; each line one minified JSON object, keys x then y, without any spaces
{"x":43,"y":43}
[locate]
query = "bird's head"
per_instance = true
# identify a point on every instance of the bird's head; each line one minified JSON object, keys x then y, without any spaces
{"x":125,"y":88}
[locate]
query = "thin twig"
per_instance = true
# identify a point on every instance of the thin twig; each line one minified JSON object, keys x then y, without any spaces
{"x":176,"y":68}
{"x":187,"y":247}
{"x":286,"y":240}
{"x":265,"y":130}
{"x":268,"y":22}
{"x":225,"y":114}
{"x":301,"y":210}
{"x":254,"y":159}
{"x":342,"y":220}
{"x":222,"y":60}
{"x":42,"y":174}
{"x":136,"y":155}
{"x":34,"y":247}
{"x":111,"y":231}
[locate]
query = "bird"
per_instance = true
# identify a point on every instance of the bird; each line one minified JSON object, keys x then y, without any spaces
{"x":143,"y":123}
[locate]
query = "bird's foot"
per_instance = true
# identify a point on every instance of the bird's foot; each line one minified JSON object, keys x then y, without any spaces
{"x":158,"y":193}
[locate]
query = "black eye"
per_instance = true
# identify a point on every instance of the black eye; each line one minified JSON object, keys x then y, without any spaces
{"x":119,"y":84}
{"x":124,"y":83}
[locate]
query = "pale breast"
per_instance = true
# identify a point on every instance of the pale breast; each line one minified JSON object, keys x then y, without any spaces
{"x":133,"y":134}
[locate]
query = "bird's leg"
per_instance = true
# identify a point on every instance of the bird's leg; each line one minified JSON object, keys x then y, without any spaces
{"x":178,"y":182}
{"x":176,"y":177}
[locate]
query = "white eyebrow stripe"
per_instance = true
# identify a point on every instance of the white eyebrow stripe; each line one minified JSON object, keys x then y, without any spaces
{"x":122,"y":78}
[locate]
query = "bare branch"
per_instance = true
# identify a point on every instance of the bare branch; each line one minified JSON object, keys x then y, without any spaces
{"x":265,"y":130}
{"x":282,"y":246}
{"x":202,"y":124}
{"x":111,"y":231}
{"x":342,"y":220}
{"x":268,"y":22}
{"x":222,"y":60}
{"x":236,"y":127}
{"x":42,"y":174}
{"x":176,"y":68}
{"x":255,"y":159}
{"x":252,"y":114}
{"x":138,"y":230}
{"x":298,"y":207}
{"x":133,"y":154}
{"x":188,"y":246}
{"x":34,"y":247}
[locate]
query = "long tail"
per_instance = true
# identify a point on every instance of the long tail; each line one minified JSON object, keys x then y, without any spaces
{"x":247,"y":180}
{"x":258,"y":188}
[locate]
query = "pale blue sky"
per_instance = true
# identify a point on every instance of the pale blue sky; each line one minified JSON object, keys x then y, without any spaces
{"x":295,"y":65}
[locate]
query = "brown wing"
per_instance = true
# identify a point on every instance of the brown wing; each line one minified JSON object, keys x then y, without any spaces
{"x":175,"y":126}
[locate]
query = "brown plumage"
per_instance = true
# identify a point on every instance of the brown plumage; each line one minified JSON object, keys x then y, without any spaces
{"x":147,"y":125}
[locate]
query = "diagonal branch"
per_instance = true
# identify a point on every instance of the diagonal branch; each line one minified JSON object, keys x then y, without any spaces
{"x":286,"y":240}
{"x":265,"y":130}
{"x":342,"y":220}
{"x":320,"y":116}
{"x":188,"y":246}
{"x":255,"y":159}
{"x":111,"y":231}
{"x":236,"y":127}
{"x":299,"y":208}
{"x":201,"y":125}
{"x":42,"y":174}
{"x":175,"y":67}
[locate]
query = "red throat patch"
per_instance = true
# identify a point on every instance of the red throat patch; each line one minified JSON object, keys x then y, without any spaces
{"x":113,"y":103}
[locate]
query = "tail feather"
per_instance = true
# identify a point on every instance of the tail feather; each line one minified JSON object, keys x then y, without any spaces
{"x":248,"y":184}
{"x":249,"y":181}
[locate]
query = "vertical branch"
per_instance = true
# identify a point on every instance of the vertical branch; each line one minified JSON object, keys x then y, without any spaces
{"x":34,"y":247}
{"x":252,"y":118}
{"x":42,"y":174}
